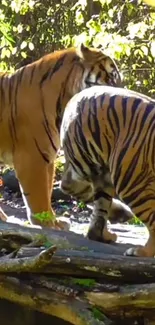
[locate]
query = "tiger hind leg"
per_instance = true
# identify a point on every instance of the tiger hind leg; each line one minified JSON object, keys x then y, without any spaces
{"x":149,"y":249}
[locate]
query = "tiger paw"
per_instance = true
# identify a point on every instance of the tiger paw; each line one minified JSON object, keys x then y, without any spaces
{"x":3,"y":216}
{"x":57,"y":224}
{"x":108,"y":236}
{"x":139,"y":252}
{"x":64,"y":223}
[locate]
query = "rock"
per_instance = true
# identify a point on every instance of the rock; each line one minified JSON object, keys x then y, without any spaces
{"x":10,"y":181}
{"x":11,"y":184}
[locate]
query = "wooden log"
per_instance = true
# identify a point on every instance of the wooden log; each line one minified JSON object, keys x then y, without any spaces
{"x":77,"y":255}
{"x":102,"y":287}
{"x":68,"y":299}
{"x":27,"y":264}
{"x":47,"y":301}
{"x":131,"y":300}
{"x":98,"y":265}
{"x":13,"y":236}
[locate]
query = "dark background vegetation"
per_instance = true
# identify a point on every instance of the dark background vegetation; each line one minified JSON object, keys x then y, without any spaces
{"x":124,"y":28}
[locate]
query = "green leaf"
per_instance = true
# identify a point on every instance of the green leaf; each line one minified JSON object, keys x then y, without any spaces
{"x":152,"y":49}
{"x":144,"y":49}
{"x":31,"y":46}
{"x":23,"y":45}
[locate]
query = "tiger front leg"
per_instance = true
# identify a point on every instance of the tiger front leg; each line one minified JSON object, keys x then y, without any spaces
{"x":3,"y":216}
{"x":102,"y":203}
{"x":33,"y":174}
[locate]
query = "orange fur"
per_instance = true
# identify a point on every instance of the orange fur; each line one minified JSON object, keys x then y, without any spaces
{"x":32,"y":102}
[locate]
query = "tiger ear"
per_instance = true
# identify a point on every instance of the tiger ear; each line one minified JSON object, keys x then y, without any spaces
{"x":87,"y":53}
{"x":83,"y":51}
{"x":84,"y":48}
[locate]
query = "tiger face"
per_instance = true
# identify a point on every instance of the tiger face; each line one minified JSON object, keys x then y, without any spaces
{"x":73,"y":185}
{"x":98,"y":69}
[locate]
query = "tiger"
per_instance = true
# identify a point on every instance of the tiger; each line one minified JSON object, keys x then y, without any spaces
{"x":32,"y":102}
{"x":108,"y":138}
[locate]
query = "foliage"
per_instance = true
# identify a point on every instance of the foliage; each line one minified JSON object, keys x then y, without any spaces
{"x":124,"y":28}
{"x":44,"y":216}
{"x":97,"y":314}
{"x":136,"y":221}
{"x":84,"y":282}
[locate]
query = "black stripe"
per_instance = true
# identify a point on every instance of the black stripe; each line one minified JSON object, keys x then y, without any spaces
{"x":45,"y":76}
{"x":138,"y":180}
{"x":102,"y":98}
{"x":32,"y":73}
{"x":124,"y":109}
{"x":20,"y":74}
{"x":146,"y":114}
{"x":102,"y":194}
{"x":48,"y":132}
{"x":11,"y":134}
{"x":11,"y":81}
{"x":128,"y":199}
{"x":134,"y":107}
{"x":152,"y":217}
{"x":93,"y":121}
{"x":129,"y":173}
{"x":58,"y":65}
{"x":115,"y":116}
{"x":13,"y":122}
{"x":86,"y":157}
{"x":41,"y":153}
{"x":124,"y":149}
{"x":96,"y":155}
{"x":143,"y":200}
{"x":74,"y":162}
{"x":138,"y":214}
{"x":68,"y":77}
{"x":108,"y":151}
{"x":58,"y":119}
{"x":109,"y":120}
{"x":15,"y":98}
{"x":101,"y":66}
{"x":46,"y":124}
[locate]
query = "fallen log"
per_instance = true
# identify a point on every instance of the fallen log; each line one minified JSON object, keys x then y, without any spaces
{"x":68,"y":276}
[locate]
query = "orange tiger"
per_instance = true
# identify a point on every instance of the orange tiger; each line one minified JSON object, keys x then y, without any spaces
{"x":108,"y":137}
{"x":32,"y":102}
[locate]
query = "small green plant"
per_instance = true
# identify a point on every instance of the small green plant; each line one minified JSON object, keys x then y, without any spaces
{"x":97,"y":314}
{"x":6,"y":169}
{"x":44,"y":216}
{"x":135,"y":221}
{"x":81,"y":205}
{"x":60,"y":164}
{"x":48,"y":244}
{"x":84,"y":282}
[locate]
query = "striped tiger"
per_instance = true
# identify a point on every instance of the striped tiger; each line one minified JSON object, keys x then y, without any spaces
{"x":32,"y":102}
{"x":108,"y":137}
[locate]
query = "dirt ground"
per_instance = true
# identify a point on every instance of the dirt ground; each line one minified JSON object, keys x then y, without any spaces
{"x":78,"y":215}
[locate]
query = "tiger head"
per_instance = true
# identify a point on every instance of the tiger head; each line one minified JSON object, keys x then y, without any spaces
{"x":98,"y":68}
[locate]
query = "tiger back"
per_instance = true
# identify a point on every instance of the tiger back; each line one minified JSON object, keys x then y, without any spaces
{"x":32,"y":102}
{"x":108,"y":137}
